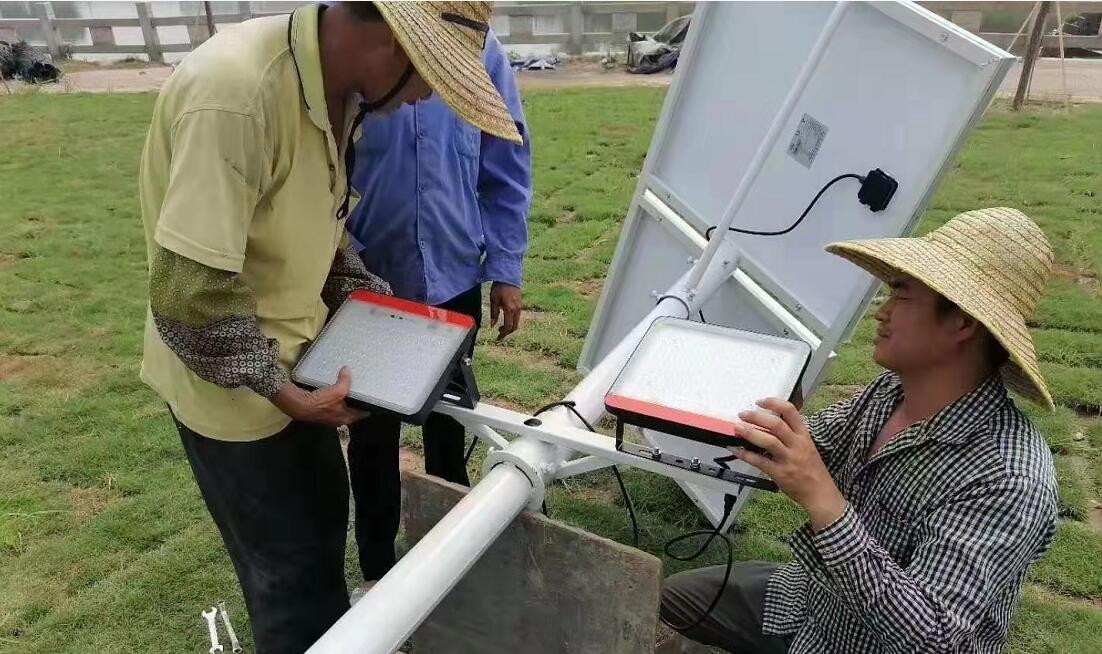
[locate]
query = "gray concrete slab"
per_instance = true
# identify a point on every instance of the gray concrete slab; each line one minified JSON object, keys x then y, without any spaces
{"x":543,"y":588}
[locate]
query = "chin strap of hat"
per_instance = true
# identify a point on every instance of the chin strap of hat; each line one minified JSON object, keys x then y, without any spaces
{"x":350,"y":149}
{"x":394,"y":90}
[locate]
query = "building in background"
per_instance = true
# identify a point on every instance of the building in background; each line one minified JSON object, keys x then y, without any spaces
{"x":525,"y":28}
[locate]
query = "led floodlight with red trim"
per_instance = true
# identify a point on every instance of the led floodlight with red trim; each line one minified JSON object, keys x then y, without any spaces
{"x":402,"y":355}
{"x":692,"y":380}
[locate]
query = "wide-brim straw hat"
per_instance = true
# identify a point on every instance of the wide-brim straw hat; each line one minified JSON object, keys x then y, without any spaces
{"x":444,"y":40}
{"x":992,"y":263}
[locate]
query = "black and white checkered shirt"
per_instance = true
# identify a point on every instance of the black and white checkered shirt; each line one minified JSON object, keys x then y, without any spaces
{"x":941,"y":526}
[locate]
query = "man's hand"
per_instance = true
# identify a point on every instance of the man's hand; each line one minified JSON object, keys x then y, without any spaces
{"x":324,"y":406}
{"x":505,"y":298}
{"x":792,"y":461}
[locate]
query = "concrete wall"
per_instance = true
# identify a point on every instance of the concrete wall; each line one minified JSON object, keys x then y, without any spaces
{"x":542,"y":588}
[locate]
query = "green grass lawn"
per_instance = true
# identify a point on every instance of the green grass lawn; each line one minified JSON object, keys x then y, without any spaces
{"x":104,"y":543}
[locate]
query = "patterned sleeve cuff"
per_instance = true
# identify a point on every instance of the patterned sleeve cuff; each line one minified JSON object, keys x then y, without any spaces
{"x":269,"y":384}
{"x":347,"y":275}
{"x":841,"y":540}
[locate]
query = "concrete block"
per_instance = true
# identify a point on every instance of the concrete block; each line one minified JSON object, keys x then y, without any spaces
{"x":543,"y":588}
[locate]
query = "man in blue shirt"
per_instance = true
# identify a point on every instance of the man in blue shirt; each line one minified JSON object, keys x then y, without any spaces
{"x":444,"y":209}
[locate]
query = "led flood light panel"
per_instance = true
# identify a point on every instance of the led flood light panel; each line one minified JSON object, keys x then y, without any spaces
{"x":692,"y":380}
{"x":401,"y":354}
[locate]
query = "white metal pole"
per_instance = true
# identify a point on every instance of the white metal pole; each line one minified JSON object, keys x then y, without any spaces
{"x":387,"y":615}
{"x":491,"y":437}
{"x":391,"y":611}
{"x":766,"y":146}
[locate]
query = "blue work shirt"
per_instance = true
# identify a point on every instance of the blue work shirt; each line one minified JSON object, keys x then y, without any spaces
{"x":444,"y":207}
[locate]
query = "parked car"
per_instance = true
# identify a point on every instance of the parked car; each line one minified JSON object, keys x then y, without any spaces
{"x":649,"y":54}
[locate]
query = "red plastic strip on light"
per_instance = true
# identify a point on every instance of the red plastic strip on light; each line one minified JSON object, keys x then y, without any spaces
{"x":415,"y":308}
{"x":677,"y":416}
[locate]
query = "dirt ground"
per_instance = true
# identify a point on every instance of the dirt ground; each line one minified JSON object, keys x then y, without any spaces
{"x":587,"y":73}
{"x":1084,"y":79}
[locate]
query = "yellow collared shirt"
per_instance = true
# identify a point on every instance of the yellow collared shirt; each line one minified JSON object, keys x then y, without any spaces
{"x":241,"y":172}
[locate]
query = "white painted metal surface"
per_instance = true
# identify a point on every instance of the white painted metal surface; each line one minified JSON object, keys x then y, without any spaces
{"x":897,"y":89}
{"x":768,"y":143}
{"x":600,"y":447}
{"x":487,"y":435}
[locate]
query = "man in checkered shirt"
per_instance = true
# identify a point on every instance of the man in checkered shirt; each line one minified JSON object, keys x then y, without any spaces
{"x":928,"y":493}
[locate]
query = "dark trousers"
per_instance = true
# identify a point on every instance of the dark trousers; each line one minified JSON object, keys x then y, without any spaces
{"x":281,"y":504}
{"x":373,"y":464}
{"x":735,"y":623}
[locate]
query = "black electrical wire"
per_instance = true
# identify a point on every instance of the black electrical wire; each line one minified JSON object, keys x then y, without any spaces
{"x":712,"y":534}
{"x":615,"y":471}
{"x":631,"y":508}
{"x":470,"y":451}
{"x":751,"y":232}
{"x":571,"y":406}
{"x":728,"y":506}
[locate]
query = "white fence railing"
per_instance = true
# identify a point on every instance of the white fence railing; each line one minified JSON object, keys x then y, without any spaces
{"x":575,"y":27}
{"x":572,"y":27}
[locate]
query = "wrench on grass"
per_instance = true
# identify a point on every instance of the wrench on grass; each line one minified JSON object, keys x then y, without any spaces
{"x":209,"y":615}
{"x":235,"y":645}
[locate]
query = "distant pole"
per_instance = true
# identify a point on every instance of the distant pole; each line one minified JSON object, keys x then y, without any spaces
{"x":210,"y":20}
{"x":575,"y":25}
{"x":1021,"y":29}
{"x":1032,"y":49}
{"x":1063,"y":69}
{"x":45,"y":13}
{"x":149,"y":33}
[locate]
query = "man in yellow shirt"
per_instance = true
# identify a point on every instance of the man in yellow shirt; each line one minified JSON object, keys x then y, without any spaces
{"x":244,"y":193}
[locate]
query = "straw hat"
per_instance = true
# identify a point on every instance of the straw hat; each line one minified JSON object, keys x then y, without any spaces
{"x":444,"y":40}
{"x":992,"y":263}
